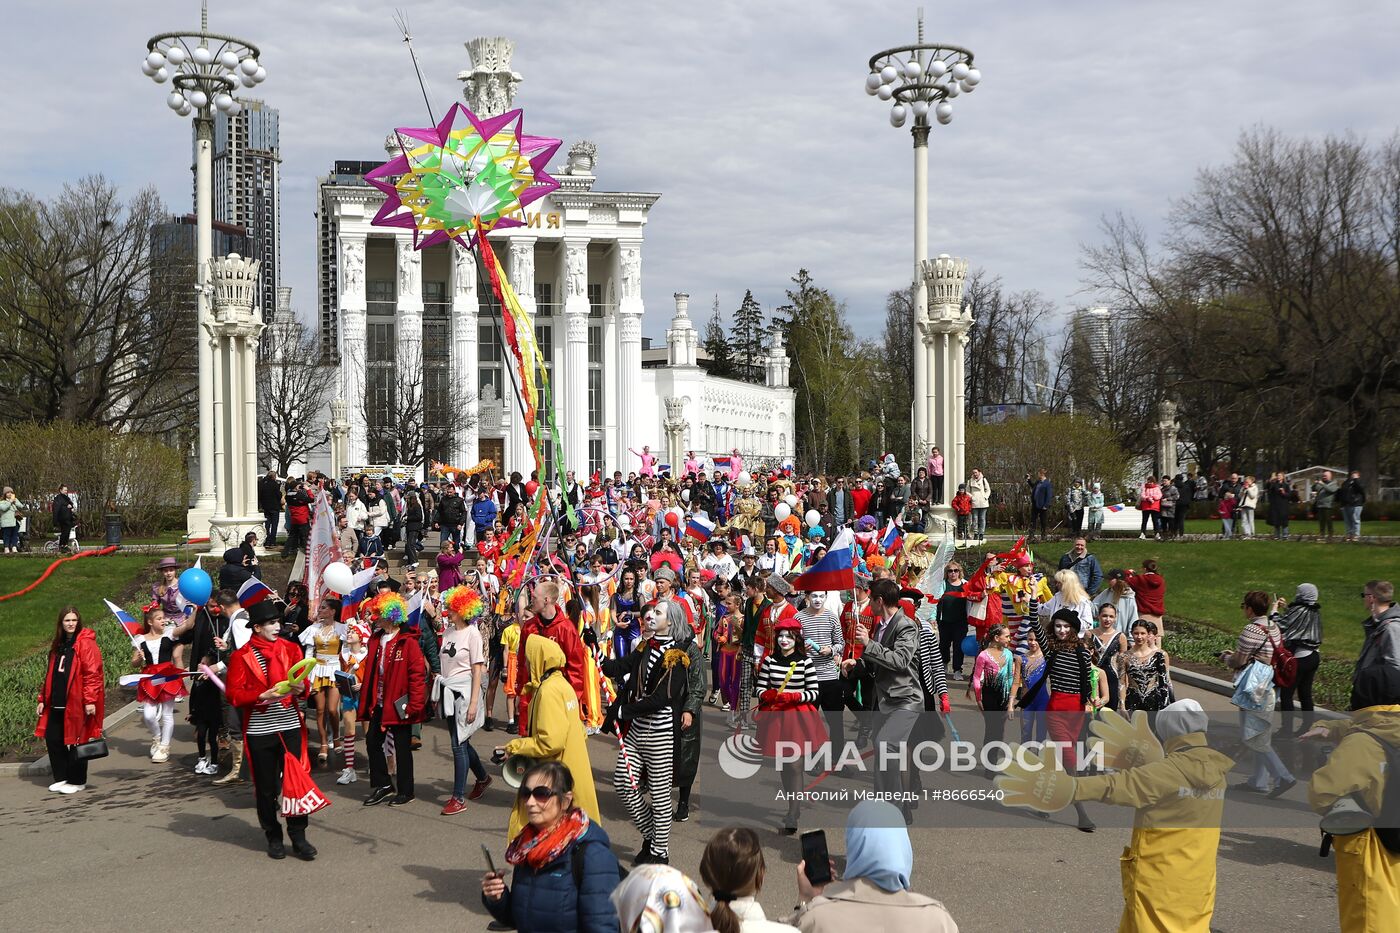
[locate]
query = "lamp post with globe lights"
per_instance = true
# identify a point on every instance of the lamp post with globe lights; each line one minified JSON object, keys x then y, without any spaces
{"x":205,"y":70}
{"x":921,"y":81}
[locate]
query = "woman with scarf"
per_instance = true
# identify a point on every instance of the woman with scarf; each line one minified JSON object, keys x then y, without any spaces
{"x":1301,"y":624}
{"x":554,"y":730}
{"x":564,"y":869}
{"x":272,"y":722}
{"x":786,"y":685}
{"x":460,"y":691}
{"x":71,"y":701}
{"x":645,"y":716}
{"x":660,"y":899}
{"x":875,"y":893}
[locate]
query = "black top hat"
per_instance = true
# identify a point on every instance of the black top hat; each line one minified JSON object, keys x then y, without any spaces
{"x":263,"y":612}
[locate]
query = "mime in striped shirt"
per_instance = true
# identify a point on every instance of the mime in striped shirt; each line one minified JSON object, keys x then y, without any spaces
{"x":786,"y":685}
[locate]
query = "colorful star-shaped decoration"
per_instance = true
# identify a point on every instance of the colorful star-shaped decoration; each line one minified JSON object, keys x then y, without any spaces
{"x":463,"y":177}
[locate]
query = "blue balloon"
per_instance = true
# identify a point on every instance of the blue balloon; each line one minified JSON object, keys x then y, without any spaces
{"x":970,"y":646}
{"x":196,"y":586}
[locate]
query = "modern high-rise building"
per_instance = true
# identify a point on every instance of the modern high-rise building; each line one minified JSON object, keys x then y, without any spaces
{"x":1095,"y":327}
{"x":247,"y":190}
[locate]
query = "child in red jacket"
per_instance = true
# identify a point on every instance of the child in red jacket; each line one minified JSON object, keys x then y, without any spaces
{"x":962,"y":508}
{"x":1227,"y":514}
{"x":393,"y":696}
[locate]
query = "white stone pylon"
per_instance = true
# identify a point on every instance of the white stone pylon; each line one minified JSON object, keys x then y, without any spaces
{"x":943,"y":341}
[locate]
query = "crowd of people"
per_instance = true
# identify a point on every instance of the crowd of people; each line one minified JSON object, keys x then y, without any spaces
{"x":654,"y":602}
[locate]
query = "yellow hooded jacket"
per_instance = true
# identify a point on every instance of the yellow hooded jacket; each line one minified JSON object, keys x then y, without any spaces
{"x":556,"y":732}
{"x":1168,"y":868}
{"x":1368,"y":874}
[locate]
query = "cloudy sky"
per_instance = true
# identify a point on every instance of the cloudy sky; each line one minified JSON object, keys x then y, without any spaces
{"x":749,"y":118}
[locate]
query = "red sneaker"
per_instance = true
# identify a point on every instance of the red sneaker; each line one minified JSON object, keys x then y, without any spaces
{"x":454,"y":806}
{"x":479,"y":788}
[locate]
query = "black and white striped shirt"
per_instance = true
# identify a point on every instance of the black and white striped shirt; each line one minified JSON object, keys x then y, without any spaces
{"x":931,"y":673}
{"x":277,"y":717}
{"x":1068,"y":669}
{"x":823,"y":630}
{"x":662,"y":719}
{"x":774,"y":671}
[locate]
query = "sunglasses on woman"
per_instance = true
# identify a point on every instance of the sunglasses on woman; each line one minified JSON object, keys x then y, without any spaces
{"x":541,"y":792}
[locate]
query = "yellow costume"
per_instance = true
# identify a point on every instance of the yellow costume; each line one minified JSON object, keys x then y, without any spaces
{"x":510,"y":643}
{"x":325,"y":648}
{"x":1368,"y":874}
{"x":555,"y":729}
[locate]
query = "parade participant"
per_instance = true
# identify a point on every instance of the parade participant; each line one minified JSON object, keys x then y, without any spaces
{"x":1121,"y":596}
{"x":206,"y":708}
{"x":272,"y":723}
{"x":687,"y":756}
{"x":1022,"y":590}
{"x":1107,"y":644}
{"x":565,"y":869}
{"x":460,"y":691}
{"x":770,"y":561}
{"x":352,"y":664}
{"x":859,"y":686}
{"x":72,"y":700}
{"x":626,"y":612}
{"x":952,"y":619}
{"x":510,"y":645}
{"x":752,"y":643}
{"x":1168,"y":868}
{"x":1145,"y":670}
{"x":393,"y":696}
{"x":650,"y":696}
{"x":648,"y":461}
{"x":153,"y":654}
{"x":994,"y":683}
{"x":323,"y":642}
{"x":554,"y":731}
{"x":787,"y":691}
{"x":733,"y":869}
{"x":546,"y":618}
{"x":1069,"y":594}
{"x":1067,"y":679}
{"x":449,"y":563}
{"x":166,"y":591}
{"x":825,"y":645}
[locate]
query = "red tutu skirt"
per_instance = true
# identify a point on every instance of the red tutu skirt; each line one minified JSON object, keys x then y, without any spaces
{"x":803,"y":725}
{"x":160,"y":692}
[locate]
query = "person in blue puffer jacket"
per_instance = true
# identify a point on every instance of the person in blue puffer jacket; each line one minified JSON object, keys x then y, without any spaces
{"x":565,"y":869}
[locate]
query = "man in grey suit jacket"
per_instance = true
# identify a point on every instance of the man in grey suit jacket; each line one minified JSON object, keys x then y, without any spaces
{"x":891,"y":656}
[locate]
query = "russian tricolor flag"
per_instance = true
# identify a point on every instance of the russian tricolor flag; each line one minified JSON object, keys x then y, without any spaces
{"x":699,"y":527}
{"x":130,"y":625}
{"x":833,"y":572}
{"x":891,"y":539}
{"x":415,"y":612}
{"x":359,"y":589}
{"x":1117,"y":508}
{"x":252,"y":592}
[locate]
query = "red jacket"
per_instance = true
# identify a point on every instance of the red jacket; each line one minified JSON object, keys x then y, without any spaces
{"x":85,"y":686}
{"x":562,"y":632}
{"x":1151,"y":590}
{"x":405,"y":674}
{"x":245,"y":680}
{"x":962,"y":504}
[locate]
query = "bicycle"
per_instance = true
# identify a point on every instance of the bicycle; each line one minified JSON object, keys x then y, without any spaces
{"x":57,"y":547}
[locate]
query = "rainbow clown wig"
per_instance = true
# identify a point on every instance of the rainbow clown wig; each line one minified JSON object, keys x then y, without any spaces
{"x":388,"y":606}
{"x":466,"y":603}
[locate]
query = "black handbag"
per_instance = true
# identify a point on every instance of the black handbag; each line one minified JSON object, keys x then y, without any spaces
{"x":95,"y":748}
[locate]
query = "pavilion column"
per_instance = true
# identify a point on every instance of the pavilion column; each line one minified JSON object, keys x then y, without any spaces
{"x":629,"y":342}
{"x":409,"y":384}
{"x":352,"y":322}
{"x":465,"y":360}
{"x":576,"y":356}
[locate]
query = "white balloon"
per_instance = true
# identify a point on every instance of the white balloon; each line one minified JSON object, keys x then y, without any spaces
{"x":791,"y":500}
{"x":814,"y":518}
{"x":781,"y":511}
{"x":745,"y":478}
{"x":685,"y":495}
{"x":338,"y":578}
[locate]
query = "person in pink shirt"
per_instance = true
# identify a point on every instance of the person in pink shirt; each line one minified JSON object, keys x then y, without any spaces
{"x":648,"y":461}
{"x":692,"y":465}
{"x":736,"y":463}
{"x":935,"y":473}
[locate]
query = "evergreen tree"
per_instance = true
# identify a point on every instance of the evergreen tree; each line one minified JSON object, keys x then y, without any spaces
{"x":749,"y":337}
{"x":717,"y":345}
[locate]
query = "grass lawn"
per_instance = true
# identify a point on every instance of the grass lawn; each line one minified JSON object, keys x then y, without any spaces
{"x":27,"y":624}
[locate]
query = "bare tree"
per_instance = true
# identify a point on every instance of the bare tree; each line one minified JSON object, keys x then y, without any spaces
{"x":1006,"y":352}
{"x":98,"y":326}
{"x":409,"y":410}
{"x":293,"y":384}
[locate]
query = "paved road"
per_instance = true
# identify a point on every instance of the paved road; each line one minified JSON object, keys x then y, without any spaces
{"x":148,"y":845}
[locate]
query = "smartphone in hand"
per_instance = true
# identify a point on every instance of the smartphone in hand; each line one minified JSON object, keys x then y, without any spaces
{"x":814,"y":853}
{"x":490,"y":862}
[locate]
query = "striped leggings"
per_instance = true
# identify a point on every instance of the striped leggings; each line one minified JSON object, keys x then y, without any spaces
{"x":650,"y":754}
{"x":745,"y":684}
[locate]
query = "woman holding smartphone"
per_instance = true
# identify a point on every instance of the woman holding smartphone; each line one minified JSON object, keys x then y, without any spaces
{"x":554,"y":889}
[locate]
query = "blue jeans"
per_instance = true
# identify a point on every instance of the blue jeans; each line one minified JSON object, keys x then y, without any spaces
{"x":979,"y":523}
{"x":1227,"y":526}
{"x":270,"y":520}
{"x":1351,"y":514}
{"x":10,"y":536}
{"x":463,"y":757}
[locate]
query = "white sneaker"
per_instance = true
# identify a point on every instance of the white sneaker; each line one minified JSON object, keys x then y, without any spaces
{"x":348,"y":776}
{"x":155,"y":745}
{"x":161,"y":754}
{"x":200,"y":765}
{"x":57,"y":787}
{"x":72,"y":788}
{"x":211,"y":768}
{"x":1142,"y":537}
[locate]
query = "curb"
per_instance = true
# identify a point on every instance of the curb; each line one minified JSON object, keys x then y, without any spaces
{"x":1226,"y":689}
{"x":33,"y":768}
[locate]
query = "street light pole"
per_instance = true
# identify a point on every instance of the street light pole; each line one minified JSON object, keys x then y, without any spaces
{"x":923,"y":79}
{"x":205,"y":69}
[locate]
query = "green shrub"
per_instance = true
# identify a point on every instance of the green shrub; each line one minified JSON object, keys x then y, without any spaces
{"x":137,"y":475}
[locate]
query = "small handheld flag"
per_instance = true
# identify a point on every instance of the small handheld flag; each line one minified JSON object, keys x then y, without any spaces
{"x":128,"y":624}
{"x":832,"y":572}
{"x":893,"y":537}
{"x":699,"y":527}
{"x":252,"y":592}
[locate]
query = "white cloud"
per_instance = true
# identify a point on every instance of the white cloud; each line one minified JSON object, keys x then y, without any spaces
{"x":748,"y":118}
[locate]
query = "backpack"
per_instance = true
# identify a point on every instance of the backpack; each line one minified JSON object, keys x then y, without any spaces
{"x":1284,"y":663}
